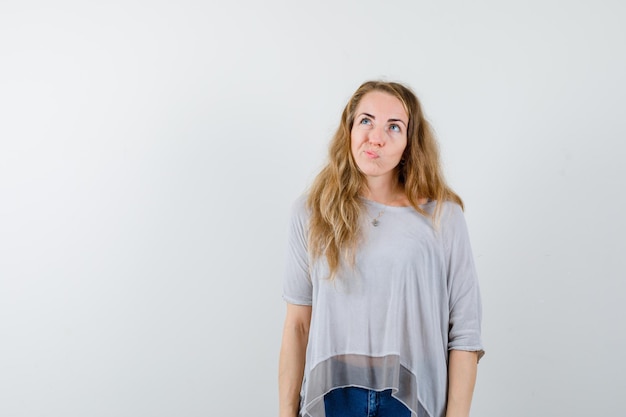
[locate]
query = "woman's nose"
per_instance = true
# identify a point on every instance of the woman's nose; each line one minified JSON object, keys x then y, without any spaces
{"x":376,"y":136}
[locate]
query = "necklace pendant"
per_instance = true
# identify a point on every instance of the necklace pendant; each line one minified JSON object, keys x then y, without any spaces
{"x":375,"y":222}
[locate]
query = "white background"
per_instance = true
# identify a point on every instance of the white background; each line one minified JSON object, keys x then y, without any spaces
{"x":150,"y":152}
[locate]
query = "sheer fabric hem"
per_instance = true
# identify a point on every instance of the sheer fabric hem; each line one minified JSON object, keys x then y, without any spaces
{"x":374,"y":373}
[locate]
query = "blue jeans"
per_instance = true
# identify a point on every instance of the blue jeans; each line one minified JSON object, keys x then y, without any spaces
{"x":361,"y":402}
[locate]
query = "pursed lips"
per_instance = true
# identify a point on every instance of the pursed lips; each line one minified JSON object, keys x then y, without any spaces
{"x":371,"y":154}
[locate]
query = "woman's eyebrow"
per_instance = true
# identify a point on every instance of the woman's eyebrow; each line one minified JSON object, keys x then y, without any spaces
{"x":397,"y":120}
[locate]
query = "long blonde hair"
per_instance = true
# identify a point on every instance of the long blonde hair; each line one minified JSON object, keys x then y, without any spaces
{"x":333,"y":198}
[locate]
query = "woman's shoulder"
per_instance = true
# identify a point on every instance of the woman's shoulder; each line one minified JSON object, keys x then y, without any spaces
{"x":442,"y":208}
{"x":452,"y":221}
{"x":300,"y":203}
{"x":452,"y":207}
{"x":300,"y":207}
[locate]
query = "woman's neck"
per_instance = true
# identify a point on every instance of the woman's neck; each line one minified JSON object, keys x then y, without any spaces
{"x":387,"y":192}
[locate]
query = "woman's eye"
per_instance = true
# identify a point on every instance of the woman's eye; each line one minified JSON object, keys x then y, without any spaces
{"x":365,"y":121}
{"x":395,"y":128}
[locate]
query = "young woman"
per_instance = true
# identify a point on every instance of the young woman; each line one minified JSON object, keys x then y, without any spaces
{"x":383,"y":306}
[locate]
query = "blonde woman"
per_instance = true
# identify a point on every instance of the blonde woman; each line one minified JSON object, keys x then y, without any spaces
{"x":383,"y":306}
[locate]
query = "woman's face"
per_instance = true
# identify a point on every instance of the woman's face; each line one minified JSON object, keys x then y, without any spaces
{"x":379,"y":135}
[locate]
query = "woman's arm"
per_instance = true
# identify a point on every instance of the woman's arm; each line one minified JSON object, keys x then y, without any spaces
{"x":462,"y":369}
{"x":292,"y":357}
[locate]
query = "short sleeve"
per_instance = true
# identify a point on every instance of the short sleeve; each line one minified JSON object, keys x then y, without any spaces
{"x":297,"y":287}
{"x":463,"y":290}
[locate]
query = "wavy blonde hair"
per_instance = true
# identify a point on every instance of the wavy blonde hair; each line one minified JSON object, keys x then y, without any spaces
{"x":333,"y":198}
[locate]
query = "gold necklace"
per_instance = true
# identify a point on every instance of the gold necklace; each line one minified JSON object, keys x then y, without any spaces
{"x":375,"y":221}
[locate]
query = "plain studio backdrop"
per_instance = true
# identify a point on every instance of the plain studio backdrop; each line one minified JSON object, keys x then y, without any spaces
{"x":150,"y":153}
